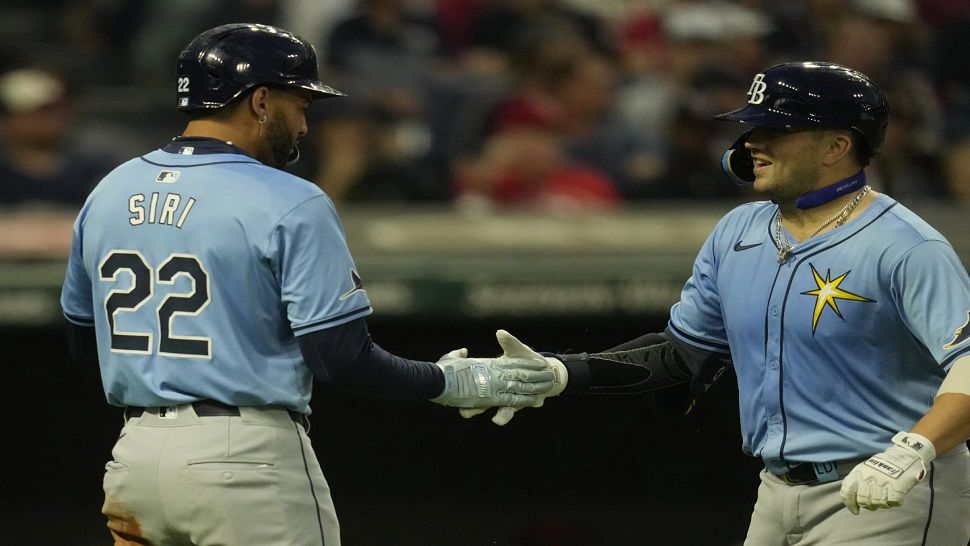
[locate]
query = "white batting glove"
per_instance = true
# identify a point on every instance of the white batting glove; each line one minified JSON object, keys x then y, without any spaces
{"x":515,"y":348}
{"x":486,"y":382}
{"x":881,"y":481}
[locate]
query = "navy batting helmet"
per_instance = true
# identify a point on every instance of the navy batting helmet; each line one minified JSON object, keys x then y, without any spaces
{"x":816,"y":94}
{"x":808,"y":95}
{"x":224,"y":62}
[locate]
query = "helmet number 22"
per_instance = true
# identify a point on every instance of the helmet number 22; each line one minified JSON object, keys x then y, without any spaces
{"x":144,"y":282}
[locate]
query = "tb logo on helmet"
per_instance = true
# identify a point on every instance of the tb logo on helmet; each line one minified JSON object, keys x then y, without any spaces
{"x":757,"y":89}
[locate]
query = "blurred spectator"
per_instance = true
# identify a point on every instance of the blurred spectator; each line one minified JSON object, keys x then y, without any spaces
{"x":470,"y":99}
{"x":713,"y":47}
{"x":694,"y":161}
{"x":315,"y":20}
{"x":457,"y":20}
{"x":905,"y":35}
{"x":384,"y":55}
{"x":957,"y":164}
{"x":158,"y":41}
{"x":584,"y":89}
{"x":713,"y":32}
{"x":356,"y":157}
{"x":523,"y":165}
{"x":134,"y":41}
{"x":909,"y":167}
{"x":513,"y":26}
{"x":38,"y":162}
{"x":646,"y":87}
{"x":803,"y":27}
{"x":952,"y":78}
{"x":941,"y":13}
{"x":635,"y":81}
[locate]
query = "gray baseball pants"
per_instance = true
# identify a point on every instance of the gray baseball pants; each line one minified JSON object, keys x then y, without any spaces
{"x":934,"y":513}
{"x":180,"y":479}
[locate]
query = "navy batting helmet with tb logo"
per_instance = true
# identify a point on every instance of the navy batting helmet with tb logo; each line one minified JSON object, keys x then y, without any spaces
{"x":224,"y":62}
{"x":809,"y":95}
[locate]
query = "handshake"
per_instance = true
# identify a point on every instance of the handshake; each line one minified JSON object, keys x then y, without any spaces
{"x":520,"y":378}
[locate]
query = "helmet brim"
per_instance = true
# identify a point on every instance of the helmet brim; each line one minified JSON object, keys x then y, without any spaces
{"x":318,"y":89}
{"x":767,"y":117}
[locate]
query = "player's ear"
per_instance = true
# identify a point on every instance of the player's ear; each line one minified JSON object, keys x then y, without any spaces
{"x":259,"y":102}
{"x":838,"y":144}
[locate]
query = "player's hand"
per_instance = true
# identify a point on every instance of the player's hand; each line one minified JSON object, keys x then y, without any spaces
{"x":513,"y":381}
{"x":882,"y":480}
{"x":516,"y":349}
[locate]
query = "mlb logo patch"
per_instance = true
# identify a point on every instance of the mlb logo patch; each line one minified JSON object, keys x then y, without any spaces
{"x":168,"y":177}
{"x":184,"y":101}
{"x":187,"y":150}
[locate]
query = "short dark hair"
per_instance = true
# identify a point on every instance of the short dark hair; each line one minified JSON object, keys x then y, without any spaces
{"x":860,"y":148}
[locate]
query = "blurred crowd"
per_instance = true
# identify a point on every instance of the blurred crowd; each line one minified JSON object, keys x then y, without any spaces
{"x":488,"y":104}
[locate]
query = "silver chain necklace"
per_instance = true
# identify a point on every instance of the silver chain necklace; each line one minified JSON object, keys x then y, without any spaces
{"x":785,"y":246}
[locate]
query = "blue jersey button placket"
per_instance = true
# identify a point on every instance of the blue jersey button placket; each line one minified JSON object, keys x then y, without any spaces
{"x":771,"y":385}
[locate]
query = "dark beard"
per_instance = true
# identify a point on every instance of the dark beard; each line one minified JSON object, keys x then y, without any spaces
{"x":281,"y":143}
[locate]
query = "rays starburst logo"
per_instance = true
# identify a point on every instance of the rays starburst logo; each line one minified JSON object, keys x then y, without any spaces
{"x":828,"y":293}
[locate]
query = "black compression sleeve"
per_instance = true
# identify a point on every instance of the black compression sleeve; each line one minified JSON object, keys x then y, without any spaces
{"x":82,"y":348}
{"x":345,"y":357}
{"x":82,"y":345}
{"x":644,"y":364}
{"x":648,"y":363}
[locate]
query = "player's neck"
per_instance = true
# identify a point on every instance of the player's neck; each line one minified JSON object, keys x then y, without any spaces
{"x":804,"y":223}
{"x":227,"y":131}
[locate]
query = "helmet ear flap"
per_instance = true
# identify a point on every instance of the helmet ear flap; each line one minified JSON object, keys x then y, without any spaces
{"x":737,"y":162}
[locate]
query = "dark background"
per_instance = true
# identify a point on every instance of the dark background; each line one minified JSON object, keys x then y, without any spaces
{"x":588,"y":470}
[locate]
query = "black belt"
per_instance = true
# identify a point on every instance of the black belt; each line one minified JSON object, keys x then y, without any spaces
{"x":209,"y":408}
{"x":816,"y":473}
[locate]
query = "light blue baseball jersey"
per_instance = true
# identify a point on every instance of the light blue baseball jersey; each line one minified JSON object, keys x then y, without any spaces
{"x":198,"y":270}
{"x":839,"y":347}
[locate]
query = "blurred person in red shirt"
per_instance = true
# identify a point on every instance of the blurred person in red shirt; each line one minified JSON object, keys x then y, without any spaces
{"x":523,"y":165}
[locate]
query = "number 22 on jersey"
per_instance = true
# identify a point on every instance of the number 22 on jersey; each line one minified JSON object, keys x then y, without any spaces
{"x":144,"y":280}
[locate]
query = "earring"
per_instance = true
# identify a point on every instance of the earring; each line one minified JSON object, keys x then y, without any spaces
{"x":261,"y":121}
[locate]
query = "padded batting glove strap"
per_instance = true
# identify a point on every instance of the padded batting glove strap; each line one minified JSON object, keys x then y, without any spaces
{"x":883,"y":479}
{"x":486,"y":382}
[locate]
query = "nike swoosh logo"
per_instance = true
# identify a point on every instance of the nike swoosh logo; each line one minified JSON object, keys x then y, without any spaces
{"x":738,"y":247}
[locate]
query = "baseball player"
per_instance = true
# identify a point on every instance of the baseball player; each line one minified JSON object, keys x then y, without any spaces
{"x":846,"y":317}
{"x":211,"y":287}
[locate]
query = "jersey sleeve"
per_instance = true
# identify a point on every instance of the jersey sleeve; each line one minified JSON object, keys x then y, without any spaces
{"x":76,"y":294}
{"x":931,"y":290}
{"x":319,"y":284}
{"x":696,"y":319}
